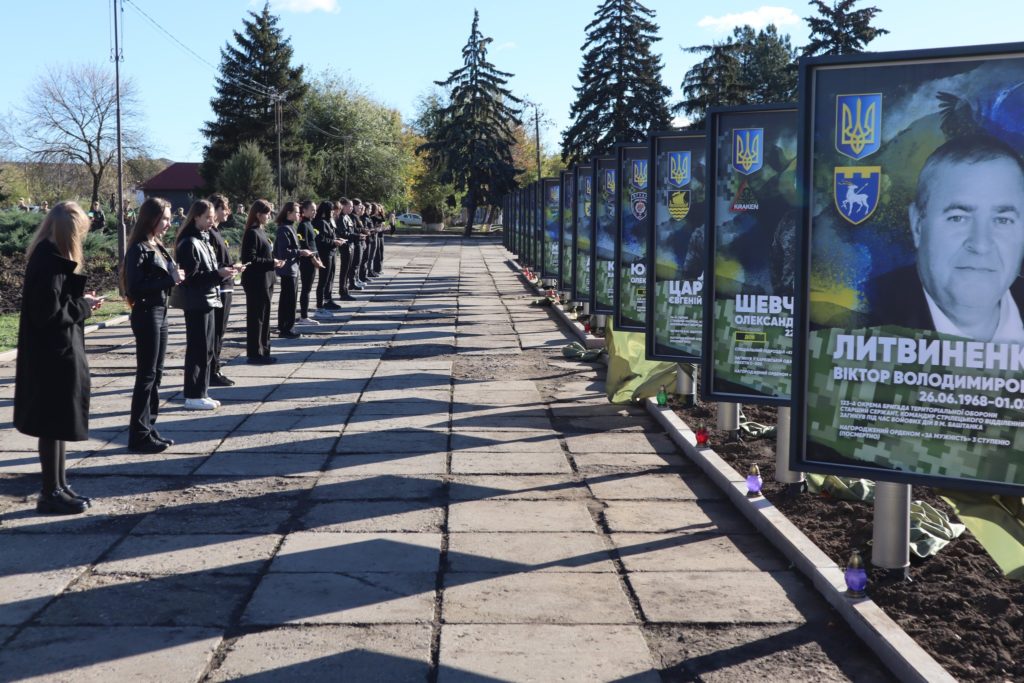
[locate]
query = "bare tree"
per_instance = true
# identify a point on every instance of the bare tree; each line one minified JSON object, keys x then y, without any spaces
{"x":68,"y":115}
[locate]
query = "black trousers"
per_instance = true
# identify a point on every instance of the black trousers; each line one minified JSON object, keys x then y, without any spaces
{"x":257,"y":321}
{"x":198,"y":352}
{"x":325,"y":281}
{"x":286,"y":305}
{"x":358,"y":252}
{"x":307,"y":271}
{"x":378,"y":256}
{"x":220,"y":326}
{"x":371,"y":253}
{"x":347,"y":254}
{"x":149,"y":325}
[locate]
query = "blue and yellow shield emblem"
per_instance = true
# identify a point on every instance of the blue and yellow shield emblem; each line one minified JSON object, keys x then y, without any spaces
{"x":638,"y":174}
{"x":679,"y":204}
{"x":747,"y":150}
{"x":588,"y":194}
{"x":858,"y":124}
{"x":678,"y":169}
{"x":553,"y":194}
{"x":857,"y":190}
{"x":608,"y":182}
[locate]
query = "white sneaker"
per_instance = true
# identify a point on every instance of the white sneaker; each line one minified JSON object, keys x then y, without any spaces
{"x":306,"y":321}
{"x":200,"y":404}
{"x":215,"y":402}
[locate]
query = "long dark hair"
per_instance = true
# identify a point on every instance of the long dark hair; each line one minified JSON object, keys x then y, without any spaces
{"x":323,"y":212}
{"x":282,"y":216}
{"x":260,"y":206}
{"x":199,"y":208}
{"x":150,"y":214}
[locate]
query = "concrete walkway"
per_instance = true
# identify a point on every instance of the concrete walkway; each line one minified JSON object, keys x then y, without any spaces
{"x":425,"y":490}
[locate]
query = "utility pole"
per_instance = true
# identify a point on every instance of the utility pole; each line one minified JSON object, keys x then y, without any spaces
{"x":536,"y":128}
{"x":117,"y":56}
{"x":279,"y":124}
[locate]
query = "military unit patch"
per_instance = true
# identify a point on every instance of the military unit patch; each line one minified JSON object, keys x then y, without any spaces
{"x":747,"y":150}
{"x":857,"y":190}
{"x":679,"y":204}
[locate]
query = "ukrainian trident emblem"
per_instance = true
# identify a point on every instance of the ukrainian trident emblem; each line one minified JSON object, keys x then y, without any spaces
{"x":638,"y":197}
{"x":588,"y":196}
{"x":858,"y":124}
{"x":678,"y":169}
{"x":747,"y":149}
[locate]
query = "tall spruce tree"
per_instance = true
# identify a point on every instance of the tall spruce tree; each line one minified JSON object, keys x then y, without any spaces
{"x":621,"y":96}
{"x":471,"y":141}
{"x":839,"y":29}
{"x":253,"y":72}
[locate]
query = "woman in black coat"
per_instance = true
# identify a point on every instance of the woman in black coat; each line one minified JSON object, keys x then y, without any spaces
{"x":258,"y":283}
{"x":307,"y":265}
{"x":51,"y":391}
{"x":199,"y":294}
{"x":147,"y":277}
{"x":288,"y":249}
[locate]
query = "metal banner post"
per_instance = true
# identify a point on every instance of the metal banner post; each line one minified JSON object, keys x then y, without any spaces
{"x":783,"y":474}
{"x":729,"y":419}
{"x":686,"y":388}
{"x":890,"y":531}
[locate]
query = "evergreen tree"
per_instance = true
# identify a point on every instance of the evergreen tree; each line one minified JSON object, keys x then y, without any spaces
{"x":246,"y":176}
{"x":254,"y":73}
{"x":473,"y":137}
{"x":621,"y":96}
{"x":749,"y":67}
{"x":839,"y":29}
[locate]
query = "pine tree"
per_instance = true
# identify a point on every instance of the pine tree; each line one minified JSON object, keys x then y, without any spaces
{"x":253,"y":72}
{"x":621,"y":96}
{"x":471,"y":141}
{"x":839,"y":29}
{"x":246,"y":175}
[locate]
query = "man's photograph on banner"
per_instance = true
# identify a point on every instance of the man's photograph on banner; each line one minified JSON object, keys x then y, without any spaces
{"x":584,"y":183}
{"x":916,"y":346}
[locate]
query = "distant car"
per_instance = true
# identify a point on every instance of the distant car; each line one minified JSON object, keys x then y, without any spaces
{"x":409,"y":219}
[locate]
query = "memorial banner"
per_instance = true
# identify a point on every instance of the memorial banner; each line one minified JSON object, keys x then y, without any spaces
{"x":551,"y":194}
{"x":568,"y":254}
{"x":605,"y":234}
{"x":633,"y":161}
{"x":753,"y":208}
{"x":675,"y":261}
{"x":910,"y":344}
{"x":582,"y":237}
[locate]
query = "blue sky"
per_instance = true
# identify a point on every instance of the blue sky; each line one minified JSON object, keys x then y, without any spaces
{"x":396,"y":48}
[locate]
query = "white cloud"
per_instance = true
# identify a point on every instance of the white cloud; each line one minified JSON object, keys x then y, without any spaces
{"x":758,"y":18}
{"x":306,"y":6}
{"x":507,"y":45}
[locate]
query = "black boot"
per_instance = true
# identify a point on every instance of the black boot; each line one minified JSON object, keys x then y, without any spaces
{"x":60,"y":502}
{"x":62,"y":474}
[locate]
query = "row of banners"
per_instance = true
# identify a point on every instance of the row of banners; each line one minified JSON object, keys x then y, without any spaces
{"x":857,"y":257}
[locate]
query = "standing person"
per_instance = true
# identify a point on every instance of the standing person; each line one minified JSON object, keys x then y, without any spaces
{"x":307,"y":265}
{"x":378,"y":236}
{"x":258,"y":283}
{"x":357,"y":279}
{"x":288,"y":249}
{"x":147,"y":277}
{"x":99,"y":221}
{"x":51,"y":389}
{"x":345,"y":230}
{"x":221,"y":213}
{"x":199,"y":296}
{"x":327,"y":242}
{"x":370,"y":220}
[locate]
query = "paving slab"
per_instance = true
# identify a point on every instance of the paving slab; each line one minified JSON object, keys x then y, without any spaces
{"x":393,"y":653}
{"x":307,"y":551}
{"x":176,"y":600}
{"x":277,"y":443}
{"x":511,"y":486}
{"x":536,"y":598}
{"x":484,"y":421}
{"x":724,"y":597}
{"x":122,"y":653}
{"x":386,"y":423}
{"x":675,"y":516}
{"x":519,"y":652}
{"x":131,"y":464}
{"x":263,"y":464}
{"x":323,"y":598}
{"x":507,"y":553}
{"x":412,"y":441}
{"x":181,"y":553}
{"x":520,"y":515}
{"x":647,"y":486}
{"x":628,"y":461}
{"x":332,"y":486}
{"x":620,"y":442}
{"x":387,"y":515}
{"x":534,"y":441}
{"x":387,"y":463}
{"x":480,"y":462}
{"x":697,"y":552}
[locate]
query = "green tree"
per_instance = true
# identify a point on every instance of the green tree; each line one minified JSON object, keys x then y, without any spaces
{"x":749,"y":67}
{"x":256,"y":80}
{"x":621,"y":96}
{"x":429,"y":191}
{"x":838,"y":29}
{"x":247,"y":175}
{"x":472,"y":141}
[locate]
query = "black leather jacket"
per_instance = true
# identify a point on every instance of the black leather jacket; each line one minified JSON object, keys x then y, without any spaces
{"x":201,"y":286}
{"x":286,"y":248}
{"x":147,"y":274}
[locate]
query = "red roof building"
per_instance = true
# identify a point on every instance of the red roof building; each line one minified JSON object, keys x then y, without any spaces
{"x":179,"y":183}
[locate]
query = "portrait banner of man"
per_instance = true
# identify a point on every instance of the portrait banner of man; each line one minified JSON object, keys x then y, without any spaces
{"x":633,"y":231}
{"x":605,"y":181}
{"x":583,"y":233}
{"x":910,"y":342}
{"x":676,"y":246}
{"x":566,"y":270}
{"x":551,"y":235}
{"x":753,"y":208}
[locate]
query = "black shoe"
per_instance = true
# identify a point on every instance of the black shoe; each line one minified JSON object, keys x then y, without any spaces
{"x":347,"y":297}
{"x":332,"y":305}
{"x":147,"y":446}
{"x":356,"y":287}
{"x":85,"y":499}
{"x":155,"y":435}
{"x":60,"y":503}
{"x":219,"y":380}
{"x":289,"y":335}
{"x":261,"y":360}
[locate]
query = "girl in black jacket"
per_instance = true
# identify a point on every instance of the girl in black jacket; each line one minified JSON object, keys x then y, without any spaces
{"x":200,"y":294}
{"x":258,"y":283}
{"x":288,"y":249}
{"x":147,"y":277}
{"x":307,"y":265}
{"x":51,"y":390}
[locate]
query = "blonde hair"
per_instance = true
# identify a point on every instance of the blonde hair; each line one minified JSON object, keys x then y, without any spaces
{"x":66,"y":225}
